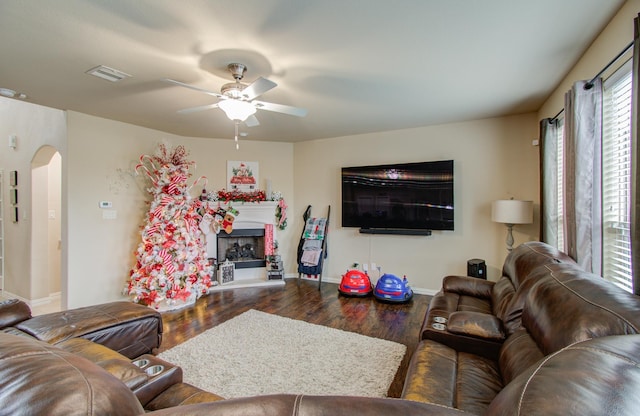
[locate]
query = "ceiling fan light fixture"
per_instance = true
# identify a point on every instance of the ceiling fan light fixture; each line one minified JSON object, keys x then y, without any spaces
{"x":237,"y":109}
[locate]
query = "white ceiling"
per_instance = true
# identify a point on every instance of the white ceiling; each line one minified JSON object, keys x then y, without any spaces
{"x":357,"y":66}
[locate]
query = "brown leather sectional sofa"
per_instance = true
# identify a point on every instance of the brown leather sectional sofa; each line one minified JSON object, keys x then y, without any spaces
{"x":95,"y":360}
{"x":512,"y":345}
{"x":545,"y":339}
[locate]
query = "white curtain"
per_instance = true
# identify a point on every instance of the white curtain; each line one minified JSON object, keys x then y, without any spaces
{"x":549,"y":132}
{"x":583,"y":188}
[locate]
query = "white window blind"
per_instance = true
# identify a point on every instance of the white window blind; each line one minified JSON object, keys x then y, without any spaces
{"x":616,"y":179}
{"x":560,"y":184}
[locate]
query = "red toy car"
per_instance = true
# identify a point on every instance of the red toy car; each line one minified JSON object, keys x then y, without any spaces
{"x":355,"y":283}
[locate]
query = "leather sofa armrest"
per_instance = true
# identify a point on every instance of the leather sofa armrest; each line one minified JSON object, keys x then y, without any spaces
{"x":116,"y":364}
{"x":470,"y":286}
{"x":162,"y":376}
{"x":475,"y":324}
{"x":13,"y":311}
{"x":302,"y":405}
{"x":179,"y":395}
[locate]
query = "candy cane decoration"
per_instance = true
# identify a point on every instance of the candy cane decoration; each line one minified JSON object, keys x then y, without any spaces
{"x":283,"y":212}
{"x":154,"y":178}
{"x":206,"y":182}
{"x":166,"y":261}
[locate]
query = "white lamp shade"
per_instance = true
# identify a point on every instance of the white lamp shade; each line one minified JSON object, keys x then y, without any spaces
{"x":512,"y":211}
{"x":237,"y":109}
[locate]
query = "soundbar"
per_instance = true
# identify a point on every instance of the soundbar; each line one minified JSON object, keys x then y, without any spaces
{"x":394,"y":231}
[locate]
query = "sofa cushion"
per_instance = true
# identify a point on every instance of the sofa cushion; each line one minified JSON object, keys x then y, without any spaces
{"x":469,"y":286}
{"x":501,"y":298}
{"x":529,"y":256}
{"x":593,"y":377}
{"x":441,"y":375}
{"x":13,"y":311}
{"x":568,"y":305}
{"x":474,"y":324}
{"x":41,"y":379}
{"x":520,"y":270}
{"x":518,"y":353}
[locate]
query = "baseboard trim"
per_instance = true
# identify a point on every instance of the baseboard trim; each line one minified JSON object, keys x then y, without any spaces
{"x":53,"y":297}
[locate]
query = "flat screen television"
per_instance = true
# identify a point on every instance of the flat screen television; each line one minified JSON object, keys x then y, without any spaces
{"x":398,"y":197}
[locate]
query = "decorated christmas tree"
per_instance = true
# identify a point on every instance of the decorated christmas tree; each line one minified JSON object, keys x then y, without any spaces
{"x":171,"y":266}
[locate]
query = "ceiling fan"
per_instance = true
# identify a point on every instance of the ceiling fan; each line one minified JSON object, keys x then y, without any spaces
{"x":238,"y":101}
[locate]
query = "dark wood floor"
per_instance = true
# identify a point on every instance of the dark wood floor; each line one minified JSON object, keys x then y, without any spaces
{"x":301,"y":299}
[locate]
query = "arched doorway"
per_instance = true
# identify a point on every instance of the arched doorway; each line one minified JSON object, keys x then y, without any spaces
{"x":46,"y":237}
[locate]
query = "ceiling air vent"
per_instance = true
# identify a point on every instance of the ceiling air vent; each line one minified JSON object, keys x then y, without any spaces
{"x":107,"y":73}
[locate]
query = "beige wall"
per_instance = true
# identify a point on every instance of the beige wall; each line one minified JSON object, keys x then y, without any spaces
{"x":611,"y":41}
{"x":493,"y":159}
{"x":101,"y":161}
{"x":35,"y":126}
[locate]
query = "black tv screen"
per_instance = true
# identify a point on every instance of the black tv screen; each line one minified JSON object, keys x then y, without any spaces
{"x":407,"y":196}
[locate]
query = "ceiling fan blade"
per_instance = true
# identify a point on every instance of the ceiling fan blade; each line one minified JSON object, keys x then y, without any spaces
{"x":252,"y":121}
{"x":257,"y":87}
{"x":280,"y":108}
{"x":199,"y":108}
{"x":193,"y":87}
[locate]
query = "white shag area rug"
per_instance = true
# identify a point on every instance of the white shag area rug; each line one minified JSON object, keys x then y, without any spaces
{"x":258,"y":353}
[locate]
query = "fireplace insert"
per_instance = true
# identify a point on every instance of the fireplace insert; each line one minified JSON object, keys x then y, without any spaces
{"x":244,"y":247}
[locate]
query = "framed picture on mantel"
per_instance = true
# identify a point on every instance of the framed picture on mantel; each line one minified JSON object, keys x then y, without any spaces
{"x":242,"y":176}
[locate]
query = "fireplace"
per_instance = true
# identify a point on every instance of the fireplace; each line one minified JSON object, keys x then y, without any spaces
{"x":244,"y":247}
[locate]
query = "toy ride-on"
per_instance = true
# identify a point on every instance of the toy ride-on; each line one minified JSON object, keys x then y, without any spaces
{"x":391,"y":288}
{"x":355,"y":283}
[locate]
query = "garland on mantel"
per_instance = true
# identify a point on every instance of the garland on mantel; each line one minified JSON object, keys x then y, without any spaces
{"x":237,"y":196}
{"x":255,"y":196}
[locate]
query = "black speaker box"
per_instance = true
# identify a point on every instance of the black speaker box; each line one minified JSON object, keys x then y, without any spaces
{"x":477,"y":268}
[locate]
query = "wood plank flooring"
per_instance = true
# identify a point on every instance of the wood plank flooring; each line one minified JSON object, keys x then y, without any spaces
{"x":301,"y":299}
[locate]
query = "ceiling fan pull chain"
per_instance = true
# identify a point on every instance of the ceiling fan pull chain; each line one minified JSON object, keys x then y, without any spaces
{"x":236,"y":136}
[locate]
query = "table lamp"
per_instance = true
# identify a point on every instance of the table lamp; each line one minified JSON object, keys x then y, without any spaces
{"x":511,"y":212}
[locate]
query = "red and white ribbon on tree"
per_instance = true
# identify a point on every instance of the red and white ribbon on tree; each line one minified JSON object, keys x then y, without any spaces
{"x":167,"y":261}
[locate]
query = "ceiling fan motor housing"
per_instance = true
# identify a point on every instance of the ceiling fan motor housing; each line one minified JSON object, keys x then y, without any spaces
{"x":237,"y":70}
{"x":233,"y":89}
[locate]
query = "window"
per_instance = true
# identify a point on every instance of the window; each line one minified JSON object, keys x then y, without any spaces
{"x":616,"y":179}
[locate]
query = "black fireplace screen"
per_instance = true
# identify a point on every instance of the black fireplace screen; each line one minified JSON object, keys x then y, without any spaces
{"x":244,"y":247}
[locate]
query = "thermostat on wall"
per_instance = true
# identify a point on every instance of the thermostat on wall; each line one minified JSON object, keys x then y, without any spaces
{"x":106,"y":204}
